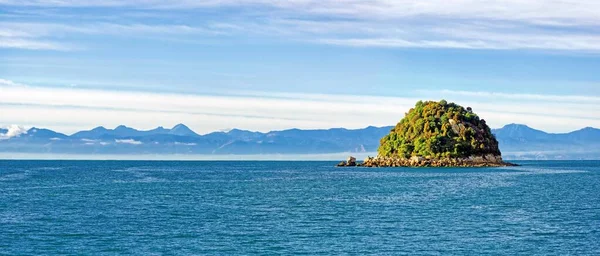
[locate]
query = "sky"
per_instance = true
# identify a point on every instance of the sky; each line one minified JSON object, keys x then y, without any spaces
{"x":266,"y":65}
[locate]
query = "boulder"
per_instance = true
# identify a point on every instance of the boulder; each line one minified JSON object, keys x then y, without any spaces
{"x":416,"y":159}
{"x":348,"y":163}
{"x":351,"y":161}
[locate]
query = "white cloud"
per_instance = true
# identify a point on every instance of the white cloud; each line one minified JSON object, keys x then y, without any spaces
{"x":33,"y":36}
{"x":13,"y":131}
{"x":129,"y":141}
{"x":539,"y":11}
{"x":6,"y":83}
{"x":377,"y":9}
{"x":401,"y":43}
{"x":185,"y":144}
{"x":465,"y":24}
{"x":521,"y":96}
{"x":502,"y":42}
{"x":39,"y":30}
{"x":31,"y":44}
{"x":262,"y":111}
{"x":50,"y":36}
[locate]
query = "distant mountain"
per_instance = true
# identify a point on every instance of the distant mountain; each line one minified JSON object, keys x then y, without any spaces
{"x":93,"y":134}
{"x":584,"y":135}
{"x":516,"y":142}
{"x":182,"y":130}
{"x":519,"y":132}
{"x":40,"y":133}
{"x":123,"y":131}
{"x":522,"y":142}
{"x":182,"y":140}
{"x":244,"y":135}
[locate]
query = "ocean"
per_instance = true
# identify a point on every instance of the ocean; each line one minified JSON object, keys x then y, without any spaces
{"x":309,"y":208}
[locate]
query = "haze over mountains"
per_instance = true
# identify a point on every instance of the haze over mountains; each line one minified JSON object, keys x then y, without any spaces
{"x":516,"y":142}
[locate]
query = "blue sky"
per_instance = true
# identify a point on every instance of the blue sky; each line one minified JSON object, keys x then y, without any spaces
{"x":265,"y":65}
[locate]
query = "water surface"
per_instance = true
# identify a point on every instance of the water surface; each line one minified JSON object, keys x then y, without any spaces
{"x":311,"y":208}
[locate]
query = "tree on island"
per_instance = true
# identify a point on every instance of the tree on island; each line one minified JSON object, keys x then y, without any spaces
{"x":436,"y":130}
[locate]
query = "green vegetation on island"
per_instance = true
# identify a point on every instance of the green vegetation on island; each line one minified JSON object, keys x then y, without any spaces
{"x":439,"y":130}
{"x":437,"y":134}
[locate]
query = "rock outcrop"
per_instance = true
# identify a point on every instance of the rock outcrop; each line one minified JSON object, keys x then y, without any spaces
{"x":481,"y":161}
{"x":348,"y":163}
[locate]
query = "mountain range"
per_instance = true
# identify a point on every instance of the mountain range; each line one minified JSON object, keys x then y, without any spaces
{"x":516,"y":142}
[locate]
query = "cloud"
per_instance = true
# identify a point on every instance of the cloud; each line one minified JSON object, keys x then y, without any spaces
{"x":33,"y":36}
{"x":45,"y":29}
{"x":51,"y":36}
{"x":532,"y":11}
{"x":129,"y":141}
{"x":401,"y":43}
{"x":185,"y":144}
{"x":539,"y":9}
{"x":521,"y":96}
{"x":445,"y":32}
{"x":589,"y":43}
{"x":32,"y":44}
{"x":265,"y":111}
{"x":6,"y":83}
{"x":462,"y":24}
{"x":13,"y":131}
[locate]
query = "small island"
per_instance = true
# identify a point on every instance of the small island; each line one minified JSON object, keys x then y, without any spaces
{"x":437,"y":134}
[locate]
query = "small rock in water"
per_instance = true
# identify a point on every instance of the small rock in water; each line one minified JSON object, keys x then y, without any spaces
{"x":348,"y":163}
{"x":351,"y":161}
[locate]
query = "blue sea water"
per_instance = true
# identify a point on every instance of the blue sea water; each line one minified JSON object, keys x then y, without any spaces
{"x":310,"y":208}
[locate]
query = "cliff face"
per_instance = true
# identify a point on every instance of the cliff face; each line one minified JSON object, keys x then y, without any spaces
{"x":437,"y":130}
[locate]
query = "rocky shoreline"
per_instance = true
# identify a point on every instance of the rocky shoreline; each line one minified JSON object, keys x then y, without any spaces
{"x":473,"y":161}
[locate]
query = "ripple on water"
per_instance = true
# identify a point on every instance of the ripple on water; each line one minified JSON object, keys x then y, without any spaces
{"x":139,"y":175}
{"x":142,"y":179}
{"x":48,"y":168}
{"x":529,"y":170}
{"x":16,"y":176}
{"x":11,"y":218}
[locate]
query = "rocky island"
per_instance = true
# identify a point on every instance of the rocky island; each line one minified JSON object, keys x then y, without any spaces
{"x":437,"y":134}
